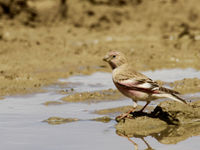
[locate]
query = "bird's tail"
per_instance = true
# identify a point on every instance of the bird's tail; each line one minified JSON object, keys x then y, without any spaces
{"x":168,"y":93}
{"x":177,"y":98}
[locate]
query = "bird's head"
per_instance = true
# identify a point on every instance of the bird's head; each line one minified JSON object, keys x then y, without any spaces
{"x":115,"y":59}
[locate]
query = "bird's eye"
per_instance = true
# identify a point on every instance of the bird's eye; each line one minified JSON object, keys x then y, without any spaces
{"x":114,"y":56}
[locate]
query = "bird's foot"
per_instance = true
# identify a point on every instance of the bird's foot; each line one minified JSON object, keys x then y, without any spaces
{"x":125,"y":115}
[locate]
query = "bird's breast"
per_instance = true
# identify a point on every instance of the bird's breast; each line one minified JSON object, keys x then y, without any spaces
{"x":133,"y":94}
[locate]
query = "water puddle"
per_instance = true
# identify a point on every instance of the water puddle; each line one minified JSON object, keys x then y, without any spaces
{"x":170,"y":75}
{"x":22,"y":126}
{"x":94,"y":82}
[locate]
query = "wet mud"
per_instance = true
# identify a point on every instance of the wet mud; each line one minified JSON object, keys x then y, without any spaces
{"x":169,"y":123}
{"x":48,"y":103}
{"x":104,"y":119}
{"x":187,"y":85}
{"x":97,"y":96}
{"x":59,"y":120}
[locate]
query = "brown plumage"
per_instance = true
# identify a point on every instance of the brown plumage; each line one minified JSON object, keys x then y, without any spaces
{"x":134,"y":84}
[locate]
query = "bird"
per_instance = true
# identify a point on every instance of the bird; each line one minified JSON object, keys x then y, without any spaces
{"x":136,"y":85}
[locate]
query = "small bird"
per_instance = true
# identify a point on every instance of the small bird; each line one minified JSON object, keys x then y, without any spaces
{"x":135,"y":85}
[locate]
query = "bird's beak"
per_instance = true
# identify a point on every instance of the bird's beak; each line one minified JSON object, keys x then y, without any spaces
{"x":106,"y":58}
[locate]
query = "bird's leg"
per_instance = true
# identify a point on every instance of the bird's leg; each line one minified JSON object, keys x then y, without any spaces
{"x":145,"y":106}
{"x":149,"y":147}
{"x":135,"y":144}
{"x":122,"y":116}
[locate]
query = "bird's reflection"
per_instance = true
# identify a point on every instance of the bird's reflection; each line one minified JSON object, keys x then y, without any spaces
{"x":147,"y":144}
{"x":134,"y":143}
{"x":123,"y":135}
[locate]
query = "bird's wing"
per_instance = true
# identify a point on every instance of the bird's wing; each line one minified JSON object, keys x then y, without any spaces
{"x":143,"y":85}
{"x":132,"y":80}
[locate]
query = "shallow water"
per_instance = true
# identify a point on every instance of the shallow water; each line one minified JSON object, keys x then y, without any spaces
{"x":170,"y":75}
{"x":22,"y":126}
{"x":96,"y":81}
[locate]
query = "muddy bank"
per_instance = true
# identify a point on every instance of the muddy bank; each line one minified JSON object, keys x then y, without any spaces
{"x":37,"y":52}
{"x":59,"y":120}
{"x":169,"y":123}
{"x":170,"y":112}
{"x":103,"y":95}
{"x":187,"y":85}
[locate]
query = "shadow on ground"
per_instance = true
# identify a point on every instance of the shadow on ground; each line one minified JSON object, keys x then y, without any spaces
{"x":158,"y":113}
{"x":168,"y":123}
